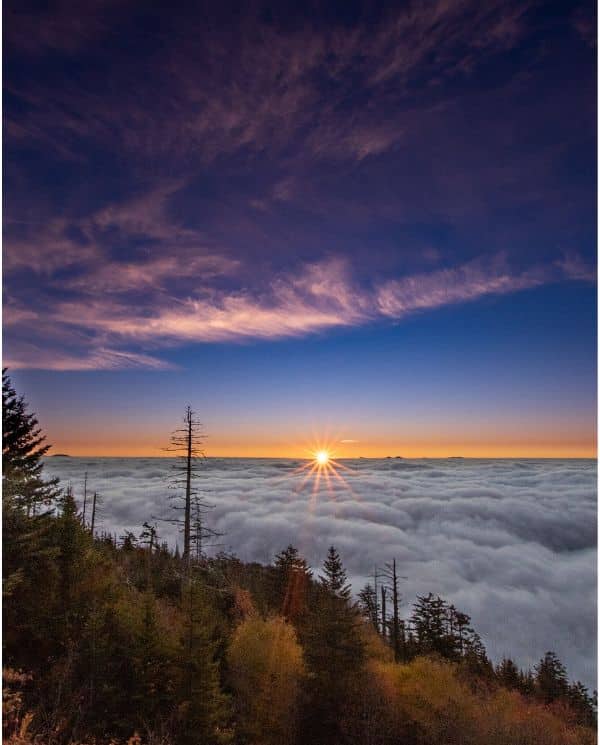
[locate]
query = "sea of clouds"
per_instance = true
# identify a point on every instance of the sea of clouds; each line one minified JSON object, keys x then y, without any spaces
{"x":511,"y":542}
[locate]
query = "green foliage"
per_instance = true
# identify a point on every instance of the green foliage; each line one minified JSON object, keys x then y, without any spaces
{"x":204,"y":708}
{"x":368,"y":600}
{"x":334,"y":648}
{"x":291,"y":578}
{"x":23,"y":445}
{"x":334,"y":578}
{"x":551,"y":678}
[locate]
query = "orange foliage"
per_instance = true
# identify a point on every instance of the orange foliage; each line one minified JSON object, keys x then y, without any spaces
{"x":427,"y":701}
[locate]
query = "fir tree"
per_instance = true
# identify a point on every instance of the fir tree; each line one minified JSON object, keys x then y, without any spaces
{"x":71,"y":540}
{"x":334,"y":578}
{"x":206,"y":707}
{"x":367,"y":599}
{"x":334,"y":652}
{"x":23,"y":446}
{"x":290,"y":584}
{"x":551,"y":678}
{"x":582,"y":704}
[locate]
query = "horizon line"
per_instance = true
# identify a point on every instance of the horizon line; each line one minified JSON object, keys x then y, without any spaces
{"x":355,"y":457}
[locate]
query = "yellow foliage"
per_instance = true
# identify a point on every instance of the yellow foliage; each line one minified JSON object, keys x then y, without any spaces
{"x":15,"y":721}
{"x":243,"y":607}
{"x":506,"y":717}
{"x":427,"y":702}
{"x":266,"y":668}
{"x":375,"y":647}
{"x":427,"y":696}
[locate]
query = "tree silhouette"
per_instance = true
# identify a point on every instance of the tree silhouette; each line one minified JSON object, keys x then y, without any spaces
{"x":23,"y":446}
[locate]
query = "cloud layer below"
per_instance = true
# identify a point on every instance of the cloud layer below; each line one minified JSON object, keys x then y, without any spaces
{"x":513,"y":543}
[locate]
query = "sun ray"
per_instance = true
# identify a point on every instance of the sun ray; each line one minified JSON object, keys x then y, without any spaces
{"x":323,"y":473}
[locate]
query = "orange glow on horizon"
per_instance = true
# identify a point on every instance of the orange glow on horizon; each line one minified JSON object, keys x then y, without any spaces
{"x":149,"y":444}
{"x":517,"y":449}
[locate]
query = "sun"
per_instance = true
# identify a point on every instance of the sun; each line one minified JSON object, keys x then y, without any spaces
{"x":321,"y":469}
{"x":322,"y":457}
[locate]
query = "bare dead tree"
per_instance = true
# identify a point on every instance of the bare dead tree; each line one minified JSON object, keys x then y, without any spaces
{"x":201,"y":535}
{"x":149,"y":538}
{"x":96,"y":506}
{"x":187,"y":447}
{"x":376,"y":575}
{"x":397,"y":626}
{"x":84,"y":499}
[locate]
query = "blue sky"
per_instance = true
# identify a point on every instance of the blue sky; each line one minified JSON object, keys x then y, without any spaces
{"x":372,"y":223}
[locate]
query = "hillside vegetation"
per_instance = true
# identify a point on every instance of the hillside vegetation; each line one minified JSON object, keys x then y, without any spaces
{"x":125,"y":641}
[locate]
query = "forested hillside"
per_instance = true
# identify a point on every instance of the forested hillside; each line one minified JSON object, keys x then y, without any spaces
{"x":121,"y":639}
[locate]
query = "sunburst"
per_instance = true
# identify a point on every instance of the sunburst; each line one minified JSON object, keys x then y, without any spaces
{"x":322,"y":470}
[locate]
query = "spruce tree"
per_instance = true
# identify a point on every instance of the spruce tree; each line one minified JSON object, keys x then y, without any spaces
{"x":71,"y":545}
{"x":291,"y":577}
{"x":367,"y":599}
{"x":507,"y":674}
{"x":23,"y":446}
{"x":334,"y":578}
{"x":205,"y":713}
{"x":334,"y":651}
{"x":582,"y":704}
{"x":551,"y":678}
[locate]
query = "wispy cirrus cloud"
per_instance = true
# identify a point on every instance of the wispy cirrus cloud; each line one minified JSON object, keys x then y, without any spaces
{"x":261,"y":178}
{"x":26,"y":356}
{"x":399,"y":297}
{"x":318,"y":297}
{"x":264,"y":86}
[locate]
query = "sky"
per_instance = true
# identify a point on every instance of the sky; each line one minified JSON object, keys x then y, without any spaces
{"x":365,"y":225}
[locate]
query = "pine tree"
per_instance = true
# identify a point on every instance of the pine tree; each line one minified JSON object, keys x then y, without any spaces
{"x":71,"y":548}
{"x":367,"y":598}
{"x":291,"y":577}
{"x":23,"y":446}
{"x":334,"y":650}
{"x":334,"y":578}
{"x":206,"y":707}
{"x":551,"y":678}
{"x":582,"y":704}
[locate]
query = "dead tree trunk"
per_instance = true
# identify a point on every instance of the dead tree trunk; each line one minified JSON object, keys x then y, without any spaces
{"x":84,"y":499}
{"x":93,"y":523}
{"x":188,"y":489}
{"x":396,"y":617}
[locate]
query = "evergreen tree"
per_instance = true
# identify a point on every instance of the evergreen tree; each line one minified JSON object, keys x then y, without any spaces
{"x":551,"y":678}
{"x":70,"y":559}
{"x":334,"y":578}
{"x":367,"y":599}
{"x":334,"y":650}
{"x":526,"y":683}
{"x":23,"y":446}
{"x":291,"y":577}
{"x":205,"y":712}
{"x":582,"y":704}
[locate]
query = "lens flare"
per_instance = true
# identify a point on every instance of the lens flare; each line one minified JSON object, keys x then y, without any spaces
{"x":322,"y":471}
